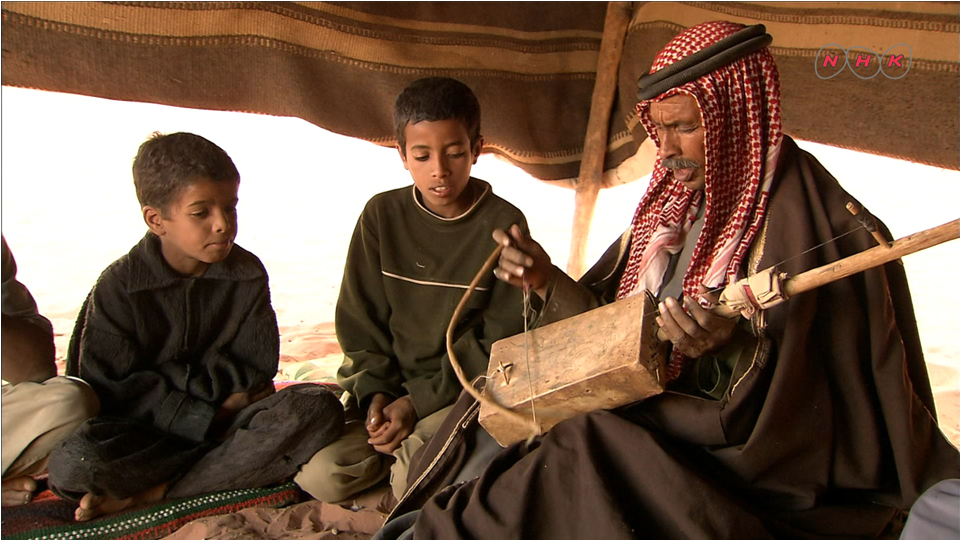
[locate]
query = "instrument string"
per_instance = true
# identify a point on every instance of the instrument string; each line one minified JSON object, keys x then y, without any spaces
{"x":526,"y":347}
{"x":802,"y":253}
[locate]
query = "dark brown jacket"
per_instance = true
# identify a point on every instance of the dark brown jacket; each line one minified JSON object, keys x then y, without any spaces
{"x":167,"y":350}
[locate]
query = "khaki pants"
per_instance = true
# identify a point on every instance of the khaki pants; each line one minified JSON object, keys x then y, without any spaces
{"x":37,"y":416}
{"x":350,"y":465}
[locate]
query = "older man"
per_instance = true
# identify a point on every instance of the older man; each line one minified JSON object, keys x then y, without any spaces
{"x":811,"y":419}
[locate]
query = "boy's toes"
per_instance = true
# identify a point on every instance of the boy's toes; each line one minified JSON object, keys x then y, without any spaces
{"x":17,"y":491}
{"x":89,"y":507}
{"x":92,"y":506}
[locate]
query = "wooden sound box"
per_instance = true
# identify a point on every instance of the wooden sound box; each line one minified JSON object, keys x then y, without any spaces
{"x":602,"y":359}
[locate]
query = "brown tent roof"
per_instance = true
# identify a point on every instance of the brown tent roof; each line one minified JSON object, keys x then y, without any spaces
{"x":532,"y":64}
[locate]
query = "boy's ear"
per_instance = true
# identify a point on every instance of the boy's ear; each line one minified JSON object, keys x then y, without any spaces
{"x":476,"y":150}
{"x":403,"y":157}
{"x":153,"y":219}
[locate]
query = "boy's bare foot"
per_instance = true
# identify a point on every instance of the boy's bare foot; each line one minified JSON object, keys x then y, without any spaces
{"x":92,"y":506}
{"x":18,"y":490}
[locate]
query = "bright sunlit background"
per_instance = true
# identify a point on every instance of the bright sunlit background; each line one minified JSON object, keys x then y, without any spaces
{"x":69,"y":208}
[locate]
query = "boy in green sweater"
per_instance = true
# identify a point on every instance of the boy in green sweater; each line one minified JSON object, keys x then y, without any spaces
{"x":413,"y":253}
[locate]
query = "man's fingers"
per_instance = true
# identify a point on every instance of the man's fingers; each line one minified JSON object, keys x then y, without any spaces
{"x":511,"y":237}
{"x":668,"y":326}
{"x":717,"y":327}
{"x":503,"y":275}
{"x":517,"y":235}
{"x":672,"y":331}
{"x":693,"y":331}
{"x":524,"y":243}
{"x":687,"y":324}
{"x":682,"y":330}
{"x":711,"y":296}
{"x":501,"y":237}
{"x":512,"y":266}
{"x":706,"y":321}
{"x":516,"y":256}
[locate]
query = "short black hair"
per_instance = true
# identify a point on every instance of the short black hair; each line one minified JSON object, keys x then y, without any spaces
{"x":436,"y":98}
{"x":165,"y":164}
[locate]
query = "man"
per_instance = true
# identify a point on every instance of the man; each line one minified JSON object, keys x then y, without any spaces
{"x":39,"y":408}
{"x":811,"y":419}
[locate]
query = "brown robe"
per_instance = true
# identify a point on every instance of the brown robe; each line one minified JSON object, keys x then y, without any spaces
{"x":828,"y":429}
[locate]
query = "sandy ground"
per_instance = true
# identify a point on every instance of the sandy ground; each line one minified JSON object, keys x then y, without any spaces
{"x":69,"y":209}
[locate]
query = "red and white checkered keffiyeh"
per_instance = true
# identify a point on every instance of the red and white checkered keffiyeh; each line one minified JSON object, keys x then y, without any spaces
{"x":740,"y":106}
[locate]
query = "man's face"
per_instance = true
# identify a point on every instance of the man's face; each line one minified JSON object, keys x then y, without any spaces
{"x":680,"y":130}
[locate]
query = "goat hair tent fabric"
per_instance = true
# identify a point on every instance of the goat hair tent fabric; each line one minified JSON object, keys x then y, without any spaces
{"x":340,"y":65}
{"x":337,"y":65}
{"x":909,"y":112}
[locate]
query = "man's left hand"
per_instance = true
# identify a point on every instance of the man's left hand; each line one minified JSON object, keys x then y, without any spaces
{"x":695,"y":331}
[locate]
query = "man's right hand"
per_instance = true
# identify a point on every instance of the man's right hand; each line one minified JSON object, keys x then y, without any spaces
{"x":523,"y":261}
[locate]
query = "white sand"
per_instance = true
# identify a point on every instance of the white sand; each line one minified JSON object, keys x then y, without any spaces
{"x":69,"y":209}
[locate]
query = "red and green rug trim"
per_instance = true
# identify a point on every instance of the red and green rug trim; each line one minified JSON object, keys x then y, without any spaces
{"x":51,"y":518}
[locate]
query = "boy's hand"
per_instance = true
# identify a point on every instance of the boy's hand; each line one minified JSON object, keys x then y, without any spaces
{"x":695,"y":331}
{"x":375,"y":419}
{"x":523,"y":261}
{"x":235,"y":403}
{"x":400,"y":419}
{"x":241,"y":400}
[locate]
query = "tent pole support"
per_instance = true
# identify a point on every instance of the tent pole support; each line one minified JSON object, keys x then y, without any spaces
{"x":595,"y":143}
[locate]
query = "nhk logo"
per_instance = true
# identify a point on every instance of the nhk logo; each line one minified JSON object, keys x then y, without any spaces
{"x":894,"y":63}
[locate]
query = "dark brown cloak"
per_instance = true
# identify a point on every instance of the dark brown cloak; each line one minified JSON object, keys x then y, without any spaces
{"x":829,"y":431}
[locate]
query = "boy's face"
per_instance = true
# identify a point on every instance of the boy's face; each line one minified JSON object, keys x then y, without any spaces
{"x":439,"y":157}
{"x":199,"y":227}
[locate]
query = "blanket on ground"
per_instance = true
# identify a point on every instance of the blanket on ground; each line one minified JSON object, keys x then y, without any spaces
{"x":51,"y":517}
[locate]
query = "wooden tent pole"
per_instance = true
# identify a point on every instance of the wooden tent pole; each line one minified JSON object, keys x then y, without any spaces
{"x":595,"y":142}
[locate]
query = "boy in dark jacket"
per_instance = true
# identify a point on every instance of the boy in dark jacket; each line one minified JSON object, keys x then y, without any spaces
{"x":413,"y":253}
{"x":180,"y":342}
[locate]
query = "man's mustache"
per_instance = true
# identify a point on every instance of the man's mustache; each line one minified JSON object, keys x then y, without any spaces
{"x":678,"y":163}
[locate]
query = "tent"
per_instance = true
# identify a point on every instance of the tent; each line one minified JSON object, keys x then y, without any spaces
{"x":534,"y":65}
{"x":540,"y":69}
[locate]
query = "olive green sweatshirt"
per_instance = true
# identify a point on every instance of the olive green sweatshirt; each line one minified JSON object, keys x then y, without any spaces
{"x":406,"y":270}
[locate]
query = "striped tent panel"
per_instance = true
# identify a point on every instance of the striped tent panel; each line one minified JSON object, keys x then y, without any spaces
{"x":337,"y":65}
{"x":915,"y":117}
{"x":532,"y":64}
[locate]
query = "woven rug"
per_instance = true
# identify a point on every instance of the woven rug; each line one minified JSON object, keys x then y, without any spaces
{"x":50,"y":517}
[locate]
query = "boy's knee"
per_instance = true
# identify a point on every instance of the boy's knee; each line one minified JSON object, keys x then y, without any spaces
{"x":328,"y":477}
{"x":69,"y":472}
{"x":319,"y":481}
{"x":401,"y":467}
{"x":71,"y":399}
